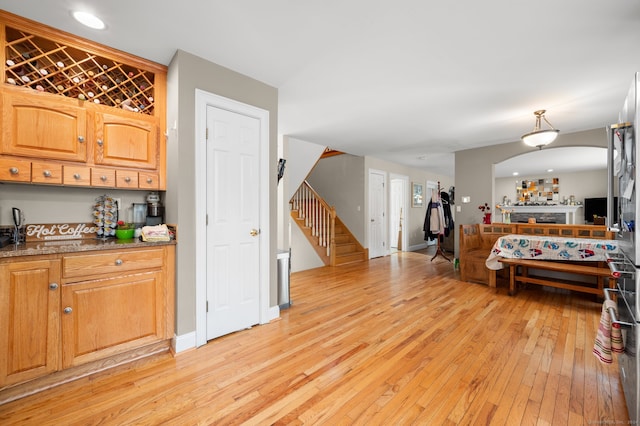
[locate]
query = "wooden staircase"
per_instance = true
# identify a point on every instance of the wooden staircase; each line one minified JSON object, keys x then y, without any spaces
{"x":328,"y":235}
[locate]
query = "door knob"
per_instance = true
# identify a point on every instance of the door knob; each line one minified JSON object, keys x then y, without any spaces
{"x":254,"y":232}
{"x":67,"y":310}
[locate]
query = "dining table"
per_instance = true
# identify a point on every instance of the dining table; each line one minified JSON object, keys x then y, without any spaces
{"x":545,"y":247}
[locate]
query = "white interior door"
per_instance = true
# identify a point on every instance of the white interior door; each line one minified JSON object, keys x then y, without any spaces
{"x":233,"y":218}
{"x":398,"y":211}
{"x":377,"y":227}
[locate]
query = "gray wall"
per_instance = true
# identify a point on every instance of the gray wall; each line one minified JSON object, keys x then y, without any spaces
{"x":474,"y":170}
{"x":340,"y":181}
{"x":186,"y":74}
{"x":56,"y":204}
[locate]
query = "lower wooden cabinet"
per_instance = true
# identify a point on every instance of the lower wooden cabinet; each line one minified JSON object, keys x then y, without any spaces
{"x":71,"y":309}
{"x":107,"y":316}
{"x":29,"y":319}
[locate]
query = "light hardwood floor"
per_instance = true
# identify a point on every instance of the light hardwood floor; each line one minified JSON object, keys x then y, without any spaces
{"x":396,"y":340}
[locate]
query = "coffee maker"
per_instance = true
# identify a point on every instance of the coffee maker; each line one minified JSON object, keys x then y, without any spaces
{"x":155,"y":209}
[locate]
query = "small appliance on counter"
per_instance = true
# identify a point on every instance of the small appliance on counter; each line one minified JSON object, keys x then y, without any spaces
{"x":18,"y":222}
{"x":155,"y":209}
{"x":139,"y":213}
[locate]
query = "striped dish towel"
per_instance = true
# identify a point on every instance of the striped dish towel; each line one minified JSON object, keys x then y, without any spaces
{"x":609,"y":336}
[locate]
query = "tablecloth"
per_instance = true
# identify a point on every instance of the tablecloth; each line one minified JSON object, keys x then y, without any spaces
{"x":543,"y":247}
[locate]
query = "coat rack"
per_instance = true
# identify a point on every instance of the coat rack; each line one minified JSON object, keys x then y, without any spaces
{"x":438,"y":248}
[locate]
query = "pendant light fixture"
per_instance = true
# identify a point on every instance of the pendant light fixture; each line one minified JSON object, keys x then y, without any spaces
{"x":538,"y":137}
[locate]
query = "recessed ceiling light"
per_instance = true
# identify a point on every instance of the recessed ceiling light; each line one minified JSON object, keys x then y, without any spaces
{"x":516,"y":173}
{"x":88,"y":19}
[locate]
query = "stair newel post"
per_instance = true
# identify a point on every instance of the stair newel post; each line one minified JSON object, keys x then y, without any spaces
{"x":332,"y":236}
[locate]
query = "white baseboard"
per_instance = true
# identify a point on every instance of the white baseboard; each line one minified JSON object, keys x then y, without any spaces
{"x":417,"y":247}
{"x":184,"y":342}
{"x":188,"y":341}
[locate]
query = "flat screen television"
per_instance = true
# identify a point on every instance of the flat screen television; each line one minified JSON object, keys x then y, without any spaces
{"x":598,"y":206}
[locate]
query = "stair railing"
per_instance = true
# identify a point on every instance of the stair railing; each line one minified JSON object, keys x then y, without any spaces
{"x":317,"y":214}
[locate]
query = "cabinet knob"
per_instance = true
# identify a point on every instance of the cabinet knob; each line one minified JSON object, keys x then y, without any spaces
{"x":103,"y":178}
{"x":149,"y":180}
{"x":67,"y":310}
{"x":127,"y":179}
{"x":81,"y":139}
{"x":100,"y":142}
{"x":53,"y":286}
{"x":14,"y":170}
{"x":47,"y":173}
{"x":119,"y":262}
{"x":76,"y":176}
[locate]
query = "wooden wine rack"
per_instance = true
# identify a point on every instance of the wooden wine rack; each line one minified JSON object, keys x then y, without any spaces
{"x":54,"y":67}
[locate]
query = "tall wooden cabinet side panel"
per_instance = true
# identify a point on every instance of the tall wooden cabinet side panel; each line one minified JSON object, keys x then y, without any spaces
{"x":29,"y":320}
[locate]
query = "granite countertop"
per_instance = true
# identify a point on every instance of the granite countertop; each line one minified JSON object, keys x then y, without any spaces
{"x":72,"y":246}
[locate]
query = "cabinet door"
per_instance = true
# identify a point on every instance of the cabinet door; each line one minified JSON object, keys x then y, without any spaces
{"x":108,"y":316}
{"x":126,"y":140}
{"x":49,"y":173}
{"x":149,"y":180}
{"x":15,"y":170}
{"x":76,"y":175}
{"x":29,"y":320}
{"x":41,"y":127}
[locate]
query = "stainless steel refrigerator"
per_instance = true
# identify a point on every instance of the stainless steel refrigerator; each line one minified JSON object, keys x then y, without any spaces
{"x":624,"y":152}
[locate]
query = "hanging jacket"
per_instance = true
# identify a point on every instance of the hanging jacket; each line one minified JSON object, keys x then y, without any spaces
{"x":434,"y":222}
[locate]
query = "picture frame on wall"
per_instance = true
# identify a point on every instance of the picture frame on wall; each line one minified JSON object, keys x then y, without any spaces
{"x":417,"y":195}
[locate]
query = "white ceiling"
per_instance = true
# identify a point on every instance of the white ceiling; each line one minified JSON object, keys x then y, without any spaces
{"x":409,"y":81}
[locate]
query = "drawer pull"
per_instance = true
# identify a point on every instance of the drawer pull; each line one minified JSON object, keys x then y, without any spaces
{"x":103,"y":178}
{"x":127,"y":179}
{"x":14,"y":170}
{"x":47,"y":173}
{"x":81,"y":139}
{"x":149,"y":180}
{"x":53,"y":286}
{"x":76,"y":176}
{"x":67,"y":310}
{"x":119,"y":262}
{"x":100,"y":142}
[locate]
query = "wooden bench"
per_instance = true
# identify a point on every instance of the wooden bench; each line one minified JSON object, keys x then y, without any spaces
{"x":519,"y":273}
{"x":477,"y":240}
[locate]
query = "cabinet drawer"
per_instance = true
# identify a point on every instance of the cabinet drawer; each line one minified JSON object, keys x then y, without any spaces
{"x":126,"y":179}
{"x":111,"y":262}
{"x":76,"y":175}
{"x":46,"y":173}
{"x":103,"y":177}
{"x":149,"y":181}
{"x":15,"y":170}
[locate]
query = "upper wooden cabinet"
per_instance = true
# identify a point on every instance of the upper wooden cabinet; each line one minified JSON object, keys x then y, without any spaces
{"x":79,"y":103}
{"x":126,"y":141}
{"x":43,"y":127}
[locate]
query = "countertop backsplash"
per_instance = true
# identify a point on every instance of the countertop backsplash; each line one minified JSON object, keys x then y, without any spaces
{"x":51,"y":204}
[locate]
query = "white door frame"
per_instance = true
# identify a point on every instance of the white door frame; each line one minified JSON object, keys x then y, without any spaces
{"x":202,"y":100}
